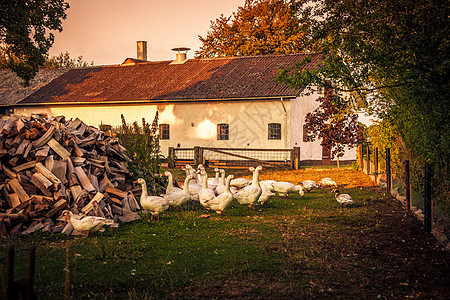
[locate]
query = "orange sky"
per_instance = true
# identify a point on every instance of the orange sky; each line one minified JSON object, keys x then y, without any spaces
{"x":106,"y":31}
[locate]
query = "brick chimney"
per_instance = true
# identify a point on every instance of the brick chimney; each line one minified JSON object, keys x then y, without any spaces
{"x":142,"y":50}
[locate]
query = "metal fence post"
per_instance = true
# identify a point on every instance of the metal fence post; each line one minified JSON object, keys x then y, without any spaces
{"x":375,"y":162}
{"x":171,"y":158}
{"x":407,"y":186}
{"x":428,"y":216}
{"x":388,"y":170}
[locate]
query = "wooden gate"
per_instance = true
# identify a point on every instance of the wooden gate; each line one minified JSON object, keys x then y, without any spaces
{"x":235,"y":157}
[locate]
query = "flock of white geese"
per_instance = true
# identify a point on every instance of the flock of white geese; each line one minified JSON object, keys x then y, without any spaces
{"x":214,"y":194}
{"x":218,"y":193}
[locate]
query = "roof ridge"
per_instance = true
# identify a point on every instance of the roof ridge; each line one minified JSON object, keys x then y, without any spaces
{"x":256,"y":56}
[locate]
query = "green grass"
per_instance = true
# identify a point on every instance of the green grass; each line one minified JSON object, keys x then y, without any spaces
{"x":295,"y":247}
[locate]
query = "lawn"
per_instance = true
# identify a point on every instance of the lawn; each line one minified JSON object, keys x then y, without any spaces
{"x":293,"y":248}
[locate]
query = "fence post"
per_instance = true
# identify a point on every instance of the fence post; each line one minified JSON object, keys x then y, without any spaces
{"x":388,"y":170}
{"x":171,"y":158}
{"x":361,"y":157}
{"x":375,"y":162}
{"x":198,"y":156}
{"x":407,"y":186}
{"x":368,"y":160}
{"x":296,"y":160}
{"x":428,"y":218}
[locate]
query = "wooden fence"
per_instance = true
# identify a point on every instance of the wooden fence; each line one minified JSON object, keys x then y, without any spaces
{"x":234,"y":157}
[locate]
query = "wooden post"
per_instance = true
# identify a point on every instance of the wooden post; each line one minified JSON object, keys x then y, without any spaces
{"x":407,"y":186}
{"x":10,"y":276}
{"x":388,"y":170}
{"x":375,"y":162}
{"x":171,"y":158}
{"x":296,"y":160}
{"x":198,"y":156}
{"x":361,"y":156}
{"x":368,"y":159}
{"x":428,"y":218}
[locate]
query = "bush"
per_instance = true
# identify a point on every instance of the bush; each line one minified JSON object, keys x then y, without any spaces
{"x":142,"y":146}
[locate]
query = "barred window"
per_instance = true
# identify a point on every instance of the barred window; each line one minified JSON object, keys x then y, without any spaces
{"x":223,"y":132}
{"x":274,"y":131}
{"x":164,"y":131}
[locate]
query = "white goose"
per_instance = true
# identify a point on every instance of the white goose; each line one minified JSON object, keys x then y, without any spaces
{"x":221,"y":187}
{"x":87,"y":224}
{"x":154,"y":204}
{"x":170,"y":188}
{"x":205,"y":194}
{"x":194,"y":186}
{"x":266,"y":192}
{"x":327,"y":181}
{"x":284,"y":188}
{"x":240,"y":182}
{"x":250,"y":194}
{"x":309,"y":185}
{"x":178,"y":199}
{"x":343,"y":199}
{"x":220,"y":203}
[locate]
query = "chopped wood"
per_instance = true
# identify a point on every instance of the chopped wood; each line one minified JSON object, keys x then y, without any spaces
{"x":47,"y":173}
{"x":15,"y":185}
{"x":45,"y":138}
{"x":56,"y":208}
{"x":52,"y":164}
{"x":27,"y":165}
{"x":60,"y":150}
{"x":129,"y":217}
{"x":90,"y":205}
{"x":84,"y":180}
{"x":42,"y":153}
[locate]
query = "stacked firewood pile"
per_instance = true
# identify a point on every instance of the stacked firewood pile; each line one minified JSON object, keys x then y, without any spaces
{"x":48,"y":165}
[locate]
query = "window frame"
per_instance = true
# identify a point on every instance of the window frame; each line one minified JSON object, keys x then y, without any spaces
{"x":164,"y":131}
{"x":223,"y":136}
{"x":274,"y":131}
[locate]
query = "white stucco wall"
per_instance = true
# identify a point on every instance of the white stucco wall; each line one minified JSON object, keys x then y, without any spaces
{"x":195,"y":123}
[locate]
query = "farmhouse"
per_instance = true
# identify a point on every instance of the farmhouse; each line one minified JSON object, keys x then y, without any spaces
{"x":231,"y":102}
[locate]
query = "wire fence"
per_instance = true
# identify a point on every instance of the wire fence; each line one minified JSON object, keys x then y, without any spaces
{"x":406,"y":179}
{"x":235,"y":157}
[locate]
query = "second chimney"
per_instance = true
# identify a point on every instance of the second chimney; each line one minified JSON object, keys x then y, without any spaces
{"x":142,"y":50}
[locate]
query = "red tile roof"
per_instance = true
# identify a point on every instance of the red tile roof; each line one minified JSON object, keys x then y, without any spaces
{"x":196,"y":79}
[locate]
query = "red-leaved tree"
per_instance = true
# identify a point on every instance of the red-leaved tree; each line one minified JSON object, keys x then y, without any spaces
{"x":336,"y":127}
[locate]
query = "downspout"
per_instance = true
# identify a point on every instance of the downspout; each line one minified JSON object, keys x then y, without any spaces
{"x":285,"y":124}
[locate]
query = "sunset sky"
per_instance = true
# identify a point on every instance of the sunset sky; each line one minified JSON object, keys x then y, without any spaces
{"x":106,"y":31}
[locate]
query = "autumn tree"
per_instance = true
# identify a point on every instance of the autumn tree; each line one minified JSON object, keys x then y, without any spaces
{"x":259,"y":27}
{"x":25,"y":33}
{"x":332,"y":125}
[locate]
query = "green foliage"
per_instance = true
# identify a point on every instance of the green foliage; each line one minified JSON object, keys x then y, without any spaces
{"x":259,"y":27}
{"x":142,"y":144}
{"x":393,"y":55}
{"x":63,"y":60}
{"x":25,"y":32}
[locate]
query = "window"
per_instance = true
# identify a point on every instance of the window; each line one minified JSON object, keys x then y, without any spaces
{"x":223,"y":132}
{"x":274,"y":131}
{"x":164,"y":132}
{"x":305,"y":133}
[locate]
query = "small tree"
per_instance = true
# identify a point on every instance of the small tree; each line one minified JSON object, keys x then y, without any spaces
{"x":335,"y":127}
{"x":63,"y":60}
{"x":142,"y":144}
